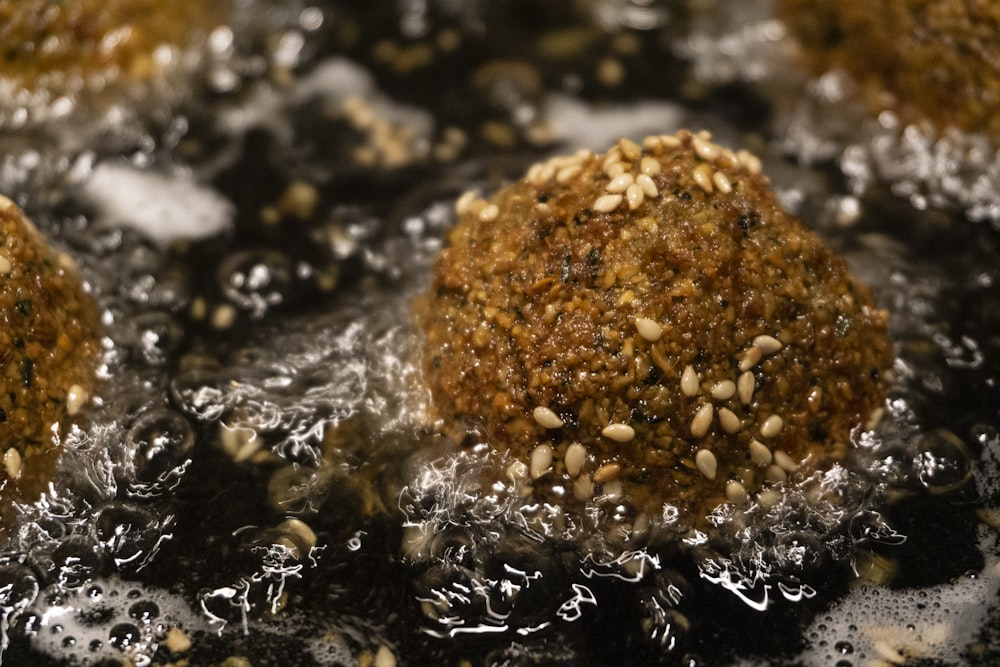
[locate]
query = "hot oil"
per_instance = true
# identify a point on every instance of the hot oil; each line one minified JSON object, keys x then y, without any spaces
{"x":261,"y":476}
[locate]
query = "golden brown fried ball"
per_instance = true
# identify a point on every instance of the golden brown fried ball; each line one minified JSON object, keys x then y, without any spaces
{"x":937,"y":60}
{"x":650,"y":325}
{"x":74,"y":45}
{"x":48,"y":352}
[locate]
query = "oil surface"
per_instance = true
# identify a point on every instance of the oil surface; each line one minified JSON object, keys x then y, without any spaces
{"x":259,"y":475}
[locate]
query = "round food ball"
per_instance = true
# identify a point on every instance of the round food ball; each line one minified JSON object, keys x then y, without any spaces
{"x":650,"y":326}
{"x":62,"y":49}
{"x":936,"y":60}
{"x":49,"y":348}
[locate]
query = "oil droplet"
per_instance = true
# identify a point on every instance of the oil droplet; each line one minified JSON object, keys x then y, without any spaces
{"x":123,"y":635}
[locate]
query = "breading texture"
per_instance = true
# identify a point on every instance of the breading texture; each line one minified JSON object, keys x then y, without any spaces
{"x":631,"y":290}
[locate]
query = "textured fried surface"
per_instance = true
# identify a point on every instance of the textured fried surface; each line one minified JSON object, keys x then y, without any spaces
{"x":48,"y":345}
{"x":75,"y":43}
{"x":540,"y":302}
{"x":936,"y":60}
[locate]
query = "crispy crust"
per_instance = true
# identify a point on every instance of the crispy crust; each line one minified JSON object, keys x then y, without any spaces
{"x":66,"y":45}
{"x":48,"y":346}
{"x":544,"y":301}
{"x":937,"y":60}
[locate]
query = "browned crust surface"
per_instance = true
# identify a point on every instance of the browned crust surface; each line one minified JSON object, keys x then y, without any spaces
{"x":73,"y":43}
{"x":537,"y":305}
{"x":936,"y":60}
{"x":48,"y":344}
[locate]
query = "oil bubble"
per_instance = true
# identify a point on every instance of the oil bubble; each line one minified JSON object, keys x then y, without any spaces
{"x":256,"y":281}
{"x":75,"y":562}
{"x":18,"y":586}
{"x":145,"y":611}
{"x":943,"y":464}
{"x":124,"y":635}
{"x":158,"y":335}
{"x":128,"y":533}
{"x":162,"y":440}
{"x":196,"y":390}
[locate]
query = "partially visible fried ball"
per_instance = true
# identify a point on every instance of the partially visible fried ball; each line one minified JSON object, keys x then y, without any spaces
{"x":66,"y":48}
{"x":49,"y":348}
{"x":650,"y":325}
{"x":936,"y":60}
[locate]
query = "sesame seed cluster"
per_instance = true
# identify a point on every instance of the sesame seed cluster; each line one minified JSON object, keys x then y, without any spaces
{"x":48,"y":334}
{"x":650,"y":326}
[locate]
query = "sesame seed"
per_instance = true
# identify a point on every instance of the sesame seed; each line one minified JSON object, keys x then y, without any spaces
{"x":784,"y":461}
{"x":705,"y":149}
{"x":490,"y":213}
{"x":613,"y":490}
{"x":618,"y":432}
{"x":607,"y":473}
{"x":648,"y":329}
{"x":12,"y":463}
{"x":771,"y":426}
{"x":767,"y":344}
{"x":728,"y":420}
{"x":727,"y":160}
{"x":634,"y":196}
{"x":648,"y":186}
{"x":613,"y":157}
{"x":702,"y":420}
{"x":615,"y":170}
{"x":702,"y":176}
{"x":874,"y":417}
{"x":706,"y":462}
{"x":547,"y":172}
{"x":750,"y":358}
{"x":464,"y":203}
{"x":583,"y":488}
{"x":670,"y":140}
{"x":631,"y":149}
{"x":534,"y":174}
{"x":759,"y":453}
{"x":724,"y":390}
{"x":76,"y":397}
{"x":736,"y":493}
{"x":619,"y":183}
{"x":775,"y":473}
{"x":745,"y":385}
{"x":607,"y":203}
{"x":689,"y":382}
{"x":722,"y":183}
{"x":651,"y":143}
{"x":224,"y":316}
{"x":6,"y":204}
{"x":576,"y":456}
{"x":541,"y":461}
{"x":5,"y":266}
{"x":546,"y":418}
{"x":649,"y":166}
{"x":749,"y":161}
{"x":568,"y":173}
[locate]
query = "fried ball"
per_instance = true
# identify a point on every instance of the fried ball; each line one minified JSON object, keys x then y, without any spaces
{"x":936,"y":60}
{"x":70,"y":45}
{"x":650,"y":325}
{"x":48,"y":353}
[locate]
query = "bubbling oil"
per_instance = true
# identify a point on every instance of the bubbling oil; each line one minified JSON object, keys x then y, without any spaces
{"x":259,"y":477}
